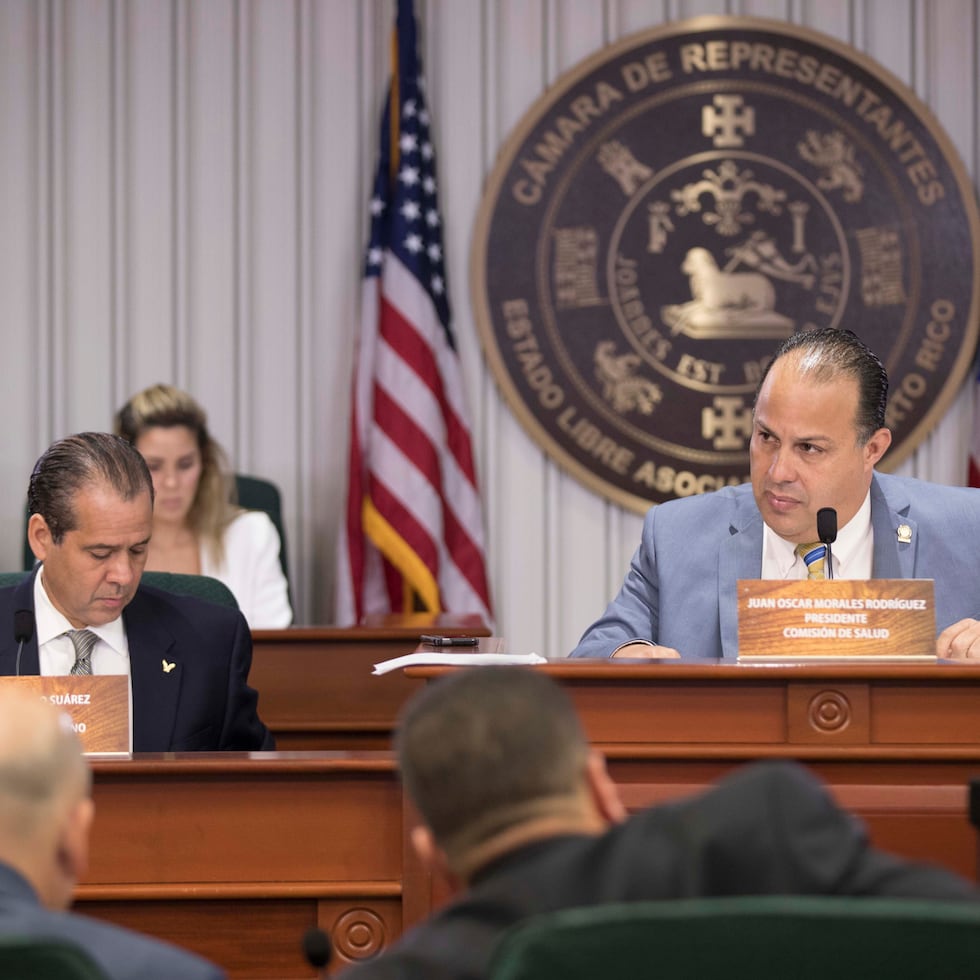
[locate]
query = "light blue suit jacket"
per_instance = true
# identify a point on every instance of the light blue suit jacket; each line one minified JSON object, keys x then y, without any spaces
{"x":680,"y":590}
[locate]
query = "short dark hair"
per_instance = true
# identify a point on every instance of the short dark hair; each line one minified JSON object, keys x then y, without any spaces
{"x":482,"y":749}
{"x":79,"y":461}
{"x":828,"y":352}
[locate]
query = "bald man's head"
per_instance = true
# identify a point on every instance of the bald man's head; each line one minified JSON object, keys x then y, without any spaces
{"x":45,"y":802}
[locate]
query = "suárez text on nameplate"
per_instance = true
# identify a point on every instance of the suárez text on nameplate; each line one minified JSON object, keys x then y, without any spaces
{"x":97,"y":705}
{"x":855,"y":619}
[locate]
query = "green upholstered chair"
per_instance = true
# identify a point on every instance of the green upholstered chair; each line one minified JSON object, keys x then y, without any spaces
{"x":252,"y":492}
{"x":39,"y":958}
{"x":200,"y":586}
{"x":791,"y":937}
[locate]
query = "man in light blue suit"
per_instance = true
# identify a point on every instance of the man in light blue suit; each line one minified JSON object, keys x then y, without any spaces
{"x":818,"y":431}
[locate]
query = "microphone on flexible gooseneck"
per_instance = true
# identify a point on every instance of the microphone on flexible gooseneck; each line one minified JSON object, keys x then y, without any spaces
{"x":827,"y":533}
{"x":23,"y":631}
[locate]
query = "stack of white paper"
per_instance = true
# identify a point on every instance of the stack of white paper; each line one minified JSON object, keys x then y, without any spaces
{"x":437,"y":659}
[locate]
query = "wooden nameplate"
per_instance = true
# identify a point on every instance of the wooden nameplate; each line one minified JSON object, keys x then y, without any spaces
{"x":866,"y":619}
{"x":97,"y":705}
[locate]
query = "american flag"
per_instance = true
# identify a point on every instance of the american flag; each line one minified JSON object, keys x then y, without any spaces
{"x":413,"y":537}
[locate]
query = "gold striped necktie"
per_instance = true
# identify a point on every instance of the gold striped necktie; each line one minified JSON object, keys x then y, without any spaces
{"x":813,"y":555}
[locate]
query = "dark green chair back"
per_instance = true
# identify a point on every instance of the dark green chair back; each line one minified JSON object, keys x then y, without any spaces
{"x":255,"y":493}
{"x":199,"y":586}
{"x":796,"y":938}
{"x":26,"y":958}
{"x":252,"y":492}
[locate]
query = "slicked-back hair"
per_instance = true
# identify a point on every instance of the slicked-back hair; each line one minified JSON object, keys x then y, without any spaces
{"x":76,"y":463}
{"x":827,"y":353}
{"x":482,"y":749}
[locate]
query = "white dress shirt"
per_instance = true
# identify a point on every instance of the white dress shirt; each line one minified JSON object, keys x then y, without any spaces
{"x":56,"y":652}
{"x":852,"y":553}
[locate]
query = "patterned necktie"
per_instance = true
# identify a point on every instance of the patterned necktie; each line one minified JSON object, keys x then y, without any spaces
{"x":813,"y":555}
{"x":83,"y":641}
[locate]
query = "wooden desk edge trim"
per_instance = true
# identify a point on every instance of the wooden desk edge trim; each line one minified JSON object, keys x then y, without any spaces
{"x":234,"y":764}
{"x":702,"y":751}
{"x":218,"y":891}
{"x":887,"y":798}
{"x":357,"y":635}
{"x":666,"y":671}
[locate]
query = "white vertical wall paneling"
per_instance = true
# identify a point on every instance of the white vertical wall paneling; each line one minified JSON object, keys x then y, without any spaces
{"x":951,"y":86}
{"x":34,"y":22}
{"x":775,"y":9}
{"x":209,"y":367}
{"x":454,"y":65}
{"x":297,"y":505}
{"x":180,"y":247}
{"x":492,"y":410}
{"x":519,"y":477}
{"x":626,"y":16}
{"x":122,"y":336}
{"x":21,"y":174}
{"x":53,"y":384}
{"x":886,"y":29}
{"x":833,"y":17}
{"x":244,"y":225}
{"x":270,"y":405}
{"x":83,"y":329}
{"x":343,"y":103}
{"x":148,"y":246}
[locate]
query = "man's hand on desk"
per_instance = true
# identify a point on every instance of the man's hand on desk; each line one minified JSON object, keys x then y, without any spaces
{"x":960,"y":641}
{"x":647,"y":651}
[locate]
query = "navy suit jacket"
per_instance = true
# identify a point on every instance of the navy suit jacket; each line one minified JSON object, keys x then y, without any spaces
{"x":203,"y":703}
{"x":680,"y":590}
{"x":122,"y":955}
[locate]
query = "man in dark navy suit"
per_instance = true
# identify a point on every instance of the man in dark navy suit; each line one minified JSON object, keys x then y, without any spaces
{"x":91,"y":516}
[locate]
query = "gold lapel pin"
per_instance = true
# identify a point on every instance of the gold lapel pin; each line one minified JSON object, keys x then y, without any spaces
{"x":168,"y":667}
{"x":904,"y":534}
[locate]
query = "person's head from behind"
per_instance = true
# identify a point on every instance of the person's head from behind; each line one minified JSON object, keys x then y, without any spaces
{"x":190,"y":471}
{"x":818,"y":430}
{"x":46,"y":807}
{"x":493,"y":757}
{"x":90,"y":499}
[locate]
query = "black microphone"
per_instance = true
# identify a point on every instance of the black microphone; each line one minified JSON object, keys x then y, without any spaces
{"x":316,"y":949}
{"x":827,"y":533}
{"x":23,"y":631}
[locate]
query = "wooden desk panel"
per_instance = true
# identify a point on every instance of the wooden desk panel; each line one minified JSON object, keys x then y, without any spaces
{"x":235,"y":856}
{"x":316,"y":689}
{"x":913,"y":708}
